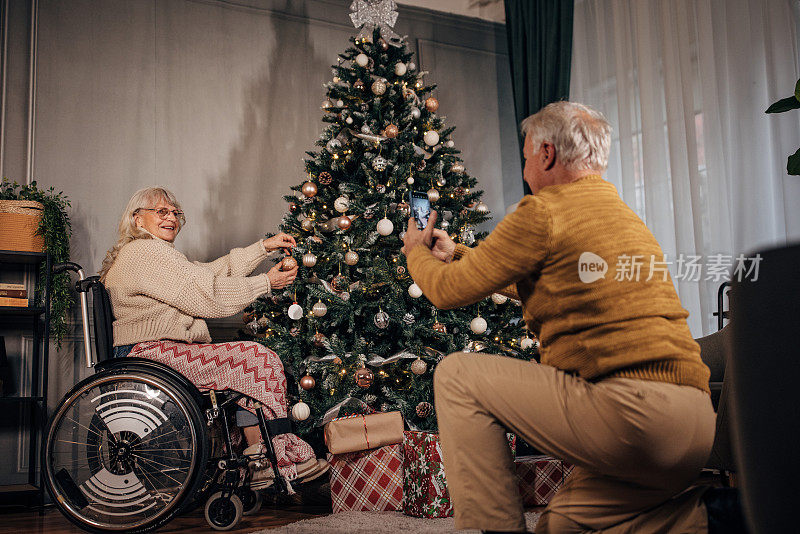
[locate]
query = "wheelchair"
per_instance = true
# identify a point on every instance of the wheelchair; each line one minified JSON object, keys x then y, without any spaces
{"x":130,"y":447}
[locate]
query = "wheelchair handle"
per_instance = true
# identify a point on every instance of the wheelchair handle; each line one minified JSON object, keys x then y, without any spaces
{"x":87,"y":341}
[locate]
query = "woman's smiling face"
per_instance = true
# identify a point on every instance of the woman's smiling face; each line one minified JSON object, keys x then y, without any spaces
{"x":165,"y":228}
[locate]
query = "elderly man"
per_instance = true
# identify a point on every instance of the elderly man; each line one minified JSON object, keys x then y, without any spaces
{"x":621,"y":391}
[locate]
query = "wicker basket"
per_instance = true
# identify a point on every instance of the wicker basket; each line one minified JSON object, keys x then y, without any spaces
{"x":19,"y":220}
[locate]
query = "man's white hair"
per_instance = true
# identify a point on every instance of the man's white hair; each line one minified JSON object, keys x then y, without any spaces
{"x":581,"y":135}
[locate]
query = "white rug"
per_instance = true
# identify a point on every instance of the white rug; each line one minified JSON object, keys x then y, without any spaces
{"x":372,"y":522}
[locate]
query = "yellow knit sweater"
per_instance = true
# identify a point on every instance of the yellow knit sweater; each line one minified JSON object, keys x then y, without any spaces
{"x":157,"y":293}
{"x":615,"y":326}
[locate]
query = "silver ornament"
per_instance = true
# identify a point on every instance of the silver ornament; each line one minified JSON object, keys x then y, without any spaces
{"x":319,"y":309}
{"x":526,"y":343}
{"x":309,"y":259}
{"x":340,"y":103}
{"x":344,"y":295}
{"x":370,"y":14}
{"x":400,"y":69}
{"x":379,"y":163}
{"x":468,"y":235}
{"x":482,"y":208}
{"x":410,"y":180}
{"x":300,"y":411}
{"x":381,"y":319}
{"x":411,"y":66}
{"x":440,"y":181}
{"x":362,"y":60}
{"x":450,"y":143}
{"x":415,"y":291}
{"x":418,"y":367}
{"x":409,"y":318}
{"x":349,"y":120}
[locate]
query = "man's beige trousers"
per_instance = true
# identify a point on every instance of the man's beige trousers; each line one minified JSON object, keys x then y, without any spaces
{"x":636,"y":445}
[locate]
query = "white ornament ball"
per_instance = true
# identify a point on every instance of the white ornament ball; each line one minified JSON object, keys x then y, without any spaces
{"x":497,"y":298}
{"x":365,"y":129}
{"x":526,"y":343}
{"x":385,"y":227}
{"x":482,"y":207}
{"x":418,"y":367}
{"x":450,"y":143}
{"x":415,"y":113}
{"x":295,"y":311}
{"x":378,"y":87}
{"x":341,"y":204}
{"x":301,"y":411}
{"x":400,"y":69}
{"x":433,"y":195}
{"x":319,"y":309}
{"x":414,"y":291}
{"x":411,"y":66}
{"x":351,"y":257}
{"x":309,"y":259}
{"x":349,"y":120}
{"x":340,"y":103}
{"x":362,"y":60}
{"x":478,"y":325}
{"x":431,"y":137}
{"x":410,"y":180}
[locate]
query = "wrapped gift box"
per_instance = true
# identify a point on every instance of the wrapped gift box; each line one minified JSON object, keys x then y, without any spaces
{"x":370,"y":481}
{"x":539,"y":478}
{"x":424,"y":484}
{"x":362,"y":432}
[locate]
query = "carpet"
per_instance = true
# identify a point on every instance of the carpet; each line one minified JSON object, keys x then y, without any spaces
{"x":372,"y":522}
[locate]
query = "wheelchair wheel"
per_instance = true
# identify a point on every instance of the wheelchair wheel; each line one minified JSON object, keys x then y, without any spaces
{"x":223,"y":513}
{"x":251,"y":500}
{"x":124,"y":451}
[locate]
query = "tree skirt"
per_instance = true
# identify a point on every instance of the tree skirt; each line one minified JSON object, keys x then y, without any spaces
{"x":372,"y":522}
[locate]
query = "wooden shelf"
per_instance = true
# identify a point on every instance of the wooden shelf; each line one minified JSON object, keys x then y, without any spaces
{"x":15,"y":256}
{"x":20,"y":311}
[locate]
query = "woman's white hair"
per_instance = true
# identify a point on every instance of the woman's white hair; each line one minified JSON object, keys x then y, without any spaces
{"x":581,"y":135}
{"x":128,"y":231}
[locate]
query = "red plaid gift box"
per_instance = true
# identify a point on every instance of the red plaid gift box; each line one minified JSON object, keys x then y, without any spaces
{"x":367,"y":481}
{"x":424,"y":483}
{"x":539,"y":478}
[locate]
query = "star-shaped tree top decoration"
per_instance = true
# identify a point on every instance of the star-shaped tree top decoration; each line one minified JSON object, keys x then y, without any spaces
{"x":370,"y":14}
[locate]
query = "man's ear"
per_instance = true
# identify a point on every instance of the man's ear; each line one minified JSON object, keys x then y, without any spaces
{"x":549,"y":152}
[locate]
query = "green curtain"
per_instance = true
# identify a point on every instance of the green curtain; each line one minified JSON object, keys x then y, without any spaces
{"x":540,"y":50}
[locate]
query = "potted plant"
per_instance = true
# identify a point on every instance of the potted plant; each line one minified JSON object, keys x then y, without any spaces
{"x":53,"y":231}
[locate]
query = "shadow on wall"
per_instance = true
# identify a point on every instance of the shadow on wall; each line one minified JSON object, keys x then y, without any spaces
{"x":266,"y":160}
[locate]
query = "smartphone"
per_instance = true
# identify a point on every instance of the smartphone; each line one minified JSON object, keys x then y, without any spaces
{"x":420,"y":207}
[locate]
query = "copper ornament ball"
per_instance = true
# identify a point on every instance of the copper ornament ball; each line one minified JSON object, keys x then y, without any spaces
{"x":351,"y":257}
{"x":431,"y":104}
{"x":288,"y":263}
{"x":344,"y":222}
{"x":248,"y":316}
{"x":364,"y":377}
{"x":391,"y":131}
{"x":418,"y":367}
{"x":307,"y":382}
{"x":318,"y":340}
{"x":439,"y":327}
{"x":309,"y":189}
{"x":293,"y":208}
{"x":337,"y":361}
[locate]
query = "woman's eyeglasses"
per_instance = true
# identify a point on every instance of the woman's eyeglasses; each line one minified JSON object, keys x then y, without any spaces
{"x":164,"y":212}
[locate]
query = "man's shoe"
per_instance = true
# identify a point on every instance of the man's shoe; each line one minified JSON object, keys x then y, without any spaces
{"x":724,"y":511}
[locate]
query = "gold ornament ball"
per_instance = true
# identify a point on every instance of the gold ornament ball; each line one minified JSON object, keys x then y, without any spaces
{"x":309,"y":259}
{"x":319,"y":309}
{"x":418,"y":367}
{"x":288,"y":263}
{"x":307,"y":225}
{"x":391,"y":131}
{"x":439,"y":327}
{"x":378,"y":87}
{"x":309,"y":189}
{"x":307,"y":382}
{"x":351,"y":257}
{"x":433,"y":195}
{"x":344,"y":222}
{"x":431,"y":104}
{"x":457,"y":168}
{"x":364,"y":377}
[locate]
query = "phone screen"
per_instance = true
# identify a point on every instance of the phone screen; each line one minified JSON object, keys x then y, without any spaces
{"x":420,"y":208}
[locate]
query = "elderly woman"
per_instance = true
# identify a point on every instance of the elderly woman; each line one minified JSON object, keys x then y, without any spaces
{"x":160,"y":298}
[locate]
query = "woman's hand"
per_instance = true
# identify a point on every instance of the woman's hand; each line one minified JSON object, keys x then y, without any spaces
{"x":279,"y":279}
{"x":281,"y":240}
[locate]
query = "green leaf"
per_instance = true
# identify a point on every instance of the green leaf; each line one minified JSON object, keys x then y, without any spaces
{"x":785,"y":104}
{"x":797,"y":90}
{"x":793,"y":164}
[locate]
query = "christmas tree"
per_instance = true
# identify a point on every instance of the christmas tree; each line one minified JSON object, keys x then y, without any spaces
{"x":353,"y":328}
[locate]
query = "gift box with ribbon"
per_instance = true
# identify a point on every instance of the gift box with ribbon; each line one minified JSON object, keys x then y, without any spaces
{"x":539,"y":478}
{"x":425,"y":491}
{"x":362,"y":432}
{"x":369,"y":480}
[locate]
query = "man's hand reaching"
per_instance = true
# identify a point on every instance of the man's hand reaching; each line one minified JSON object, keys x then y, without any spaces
{"x":443,"y":247}
{"x":414,"y":236}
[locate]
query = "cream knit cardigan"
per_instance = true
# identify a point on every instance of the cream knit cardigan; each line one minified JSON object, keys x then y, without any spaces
{"x":157,"y":293}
